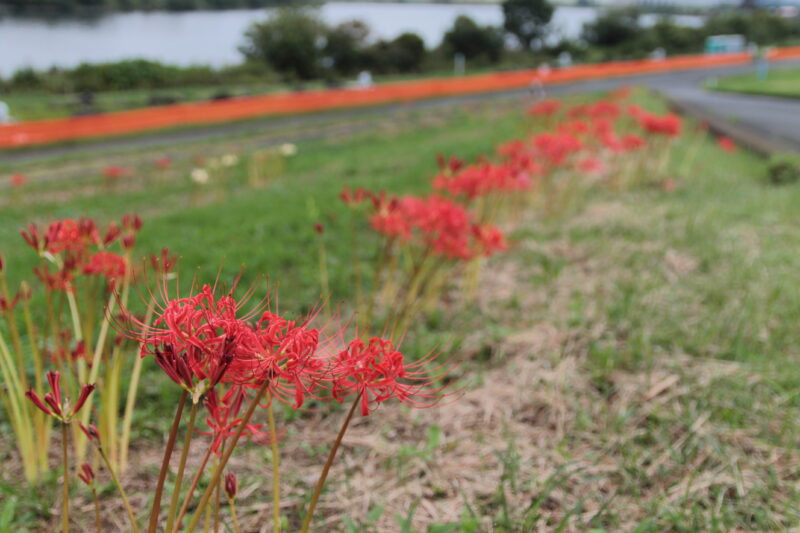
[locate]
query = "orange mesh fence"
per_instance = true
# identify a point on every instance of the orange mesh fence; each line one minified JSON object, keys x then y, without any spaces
{"x":156,"y":118}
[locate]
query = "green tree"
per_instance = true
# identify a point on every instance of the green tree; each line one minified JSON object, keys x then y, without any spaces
{"x":528,"y":20}
{"x":613,"y":28}
{"x":473,"y":41}
{"x":291,"y":42}
{"x":345,"y":46}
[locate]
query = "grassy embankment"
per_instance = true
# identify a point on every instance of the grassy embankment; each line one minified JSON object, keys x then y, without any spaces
{"x":779,"y":82}
{"x":629,"y":366}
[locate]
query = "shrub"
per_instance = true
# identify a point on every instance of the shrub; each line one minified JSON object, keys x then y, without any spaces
{"x":783,"y":169}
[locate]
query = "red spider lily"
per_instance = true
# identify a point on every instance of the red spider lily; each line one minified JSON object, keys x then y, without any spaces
{"x":479,"y":180}
{"x":319,"y":228}
{"x":108,"y":265}
{"x":351,"y":198}
{"x":603,"y":108}
{"x":434,"y":222}
{"x":453,"y":165}
{"x":18,"y":179}
{"x":726,"y":144}
{"x":204,"y":339}
{"x":165,"y":263}
{"x":86,"y":474}
{"x":544,"y":108}
{"x":376,"y":371}
{"x":163,"y":163}
{"x":669,"y":125}
{"x":8,"y":305}
{"x":90,"y":431}
{"x":555,"y":148}
{"x":61,"y":280}
{"x":230,"y":485}
{"x":53,"y":404}
{"x":631,"y":142}
{"x":113,"y":172}
{"x":490,"y":239}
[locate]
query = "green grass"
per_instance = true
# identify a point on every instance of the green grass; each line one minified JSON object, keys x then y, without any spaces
{"x":779,"y":82}
{"x":692,"y":290}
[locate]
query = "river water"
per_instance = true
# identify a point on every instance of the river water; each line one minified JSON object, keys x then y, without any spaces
{"x":213,"y":37}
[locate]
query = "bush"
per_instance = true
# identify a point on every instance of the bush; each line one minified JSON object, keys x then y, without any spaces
{"x":402,"y":55}
{"x":783,"y":169}
{"x":473,"y":41}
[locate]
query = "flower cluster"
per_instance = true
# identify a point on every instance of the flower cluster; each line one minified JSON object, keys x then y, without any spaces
{"x":76,"y":247}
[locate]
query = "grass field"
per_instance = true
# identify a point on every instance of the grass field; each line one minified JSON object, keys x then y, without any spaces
{"x":629,"y":366}
{"x":779,"y":82}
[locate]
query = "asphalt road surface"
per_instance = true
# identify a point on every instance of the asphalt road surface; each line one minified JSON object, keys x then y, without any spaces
{"x":775,"y":117}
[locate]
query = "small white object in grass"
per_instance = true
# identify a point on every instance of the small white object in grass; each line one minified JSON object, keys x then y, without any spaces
{"x":228,"y":160}
{"x":200,"y":176}
{"x":287,"y":149}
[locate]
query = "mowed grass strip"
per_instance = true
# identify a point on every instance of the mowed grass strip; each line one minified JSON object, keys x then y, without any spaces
{"x":778,"y":82}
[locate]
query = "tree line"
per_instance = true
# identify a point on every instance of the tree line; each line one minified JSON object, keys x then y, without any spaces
{"x":295,"y":45}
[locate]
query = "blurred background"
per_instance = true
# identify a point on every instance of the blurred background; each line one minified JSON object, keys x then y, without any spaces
{"x":72,"y":57}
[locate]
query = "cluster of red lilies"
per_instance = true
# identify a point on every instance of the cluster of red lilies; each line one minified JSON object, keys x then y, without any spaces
{"x":229,"y":357}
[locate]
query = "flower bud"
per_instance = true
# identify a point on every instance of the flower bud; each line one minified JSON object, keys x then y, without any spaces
{"x":86,"y":474}
{"x":230,"y":485}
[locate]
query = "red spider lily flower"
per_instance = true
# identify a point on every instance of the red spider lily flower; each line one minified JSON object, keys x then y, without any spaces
{"x":61,"y":280}
{"x":479,"y":180}
{"x":544,"y":108}
{"x":8,"y":305}
{"x":726,"y":144}
{"x":64,"y":235}
{"x":555,"y":148}
{"x":376,"y":372}
{"x":490,"y":240}
{"x":91,"y":432}
{"x":18,"y":179}
{"x":351,"y":198}
{"x":108,"y":265}
{"x":632,"y":142}
{"x":603,"y":108}
{"x":163,"y":163}
{"x":165,"y":263}
{"x":53,"y":404}
{"x":454,"y":164}
{"x":86,"y":474}
{"x":230,"y":485}
{"x":113,"y":172}
{"x":319,"y":228}
{"x":205,"y":339}
{"x":668,"y":125}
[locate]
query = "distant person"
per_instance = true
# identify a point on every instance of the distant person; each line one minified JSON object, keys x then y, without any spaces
{"x":364,"y":79}
{"x":5,"y":114}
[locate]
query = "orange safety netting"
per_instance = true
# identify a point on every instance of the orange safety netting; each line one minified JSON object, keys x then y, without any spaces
{"x":125,"y":122}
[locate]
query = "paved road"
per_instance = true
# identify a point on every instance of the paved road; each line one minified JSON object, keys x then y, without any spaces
{"x":767,"y":116}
